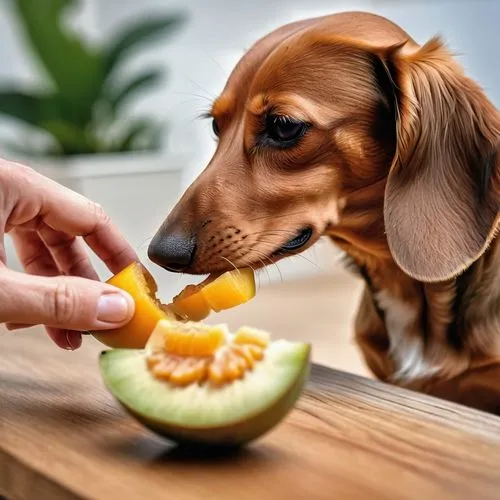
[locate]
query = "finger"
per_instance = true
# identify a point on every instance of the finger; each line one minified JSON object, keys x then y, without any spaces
{"x":33,"y":254}
{"x":66,"y":339}
{"x":36,"y":259}
{"x":110,"y":246}
{"x":68,"y":253}
{"x":90,"y":221}
{"x":17,"y":326}
{"x":68,"y":212}
{"x":64,"y":302}
{"x":50,"y":253}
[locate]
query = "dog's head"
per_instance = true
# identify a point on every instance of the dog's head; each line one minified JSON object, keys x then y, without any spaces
{"x":342,"y":126}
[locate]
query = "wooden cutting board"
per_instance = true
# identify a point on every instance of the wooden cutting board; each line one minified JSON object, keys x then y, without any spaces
{"x":62,"y":436}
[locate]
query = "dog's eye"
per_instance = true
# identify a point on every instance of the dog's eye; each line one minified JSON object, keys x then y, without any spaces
{"x":284,"y":129}
{"x":215,"y":127}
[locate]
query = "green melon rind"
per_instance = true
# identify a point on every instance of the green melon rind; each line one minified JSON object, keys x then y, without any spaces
{"x":232,"y":415}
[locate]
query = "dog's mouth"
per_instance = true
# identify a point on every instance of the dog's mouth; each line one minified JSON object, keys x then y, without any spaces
{"x":297,"y":242}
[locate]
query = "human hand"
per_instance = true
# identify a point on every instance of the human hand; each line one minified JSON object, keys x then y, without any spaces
{"x":60,"y":289}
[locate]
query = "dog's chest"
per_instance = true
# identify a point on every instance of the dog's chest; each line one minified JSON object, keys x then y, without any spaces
{"x":398,"y":315}
{"x":401,"y":320}
{"x":406,"y":344}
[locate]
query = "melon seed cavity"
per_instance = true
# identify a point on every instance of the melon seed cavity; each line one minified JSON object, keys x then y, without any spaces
{"x":189,"y":353}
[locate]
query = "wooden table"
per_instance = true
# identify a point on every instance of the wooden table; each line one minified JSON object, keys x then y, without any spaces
{"x":62,"y":436}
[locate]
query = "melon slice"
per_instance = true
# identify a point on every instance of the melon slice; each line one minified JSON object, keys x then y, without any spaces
{"x":202,"y":384}
{"x":194,"y":303}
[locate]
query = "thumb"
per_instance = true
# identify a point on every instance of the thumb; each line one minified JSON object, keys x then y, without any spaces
{"x":66,"y":302}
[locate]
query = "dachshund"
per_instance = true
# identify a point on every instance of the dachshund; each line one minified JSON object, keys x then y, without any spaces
{"x":343,"y":126}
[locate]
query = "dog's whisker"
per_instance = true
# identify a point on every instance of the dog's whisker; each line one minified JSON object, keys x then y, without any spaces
{"x":262,"y":255}
{"x":266,"y":268}
{"x":190,"y":94}
{"x":200,"y":116}
{"x":236,"y":268}
{"x":204,"y":115}
{"x":293,"y":255}
{"x":211,"y":96}
{"x":144,"y":242}
{"x":252,"y":268}
{"x":230,"y":263}
{"x":315,"y":264}
{"x":189,"y":101}
{"x":225,"y":73}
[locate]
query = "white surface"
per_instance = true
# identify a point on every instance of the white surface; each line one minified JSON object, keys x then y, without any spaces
{"x":111,"y":165}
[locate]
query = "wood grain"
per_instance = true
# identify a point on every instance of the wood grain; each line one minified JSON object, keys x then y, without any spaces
{"x":62,"y":436}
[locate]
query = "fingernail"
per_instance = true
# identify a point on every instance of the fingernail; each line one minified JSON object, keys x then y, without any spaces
{"x":113,"y":308}
{"x":74,"y":341}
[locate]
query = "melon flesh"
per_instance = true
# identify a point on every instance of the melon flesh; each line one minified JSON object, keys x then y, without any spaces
{"x":216,"y":293}
{"x":232,"y":414}
{"x":140,"y":284}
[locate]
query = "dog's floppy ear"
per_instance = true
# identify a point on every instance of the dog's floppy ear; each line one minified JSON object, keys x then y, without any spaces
{"x":443,"y":189}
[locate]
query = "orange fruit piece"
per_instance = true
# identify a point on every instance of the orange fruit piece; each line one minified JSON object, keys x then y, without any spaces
{"x":140,"y":284}
{"x":230,"y":289}
{"x":190,"y":304}
{"x":192,"y":339}
{"x":252,"y":336}
{"x":225,"y":291}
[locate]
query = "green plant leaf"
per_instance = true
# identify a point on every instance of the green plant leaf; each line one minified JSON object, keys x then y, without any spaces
{"x":80,"y":111}
{"x":31,"y":109}
{"x":152,"y":139}
{"x":119,"y":96}
{"x":76,"y":71}
{"x":72,"y":139}
{"x":145,"y":131}
{"x":135,"y":130}
{"x":131,"y":37}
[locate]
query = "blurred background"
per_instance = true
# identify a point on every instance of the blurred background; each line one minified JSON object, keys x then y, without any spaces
{"x":103,"y":96}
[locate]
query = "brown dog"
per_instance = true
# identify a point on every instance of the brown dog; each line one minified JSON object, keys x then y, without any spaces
{"x":344,"y":126}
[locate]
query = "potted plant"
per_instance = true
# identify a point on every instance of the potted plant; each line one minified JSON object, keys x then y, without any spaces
{"x":74,"y":125}
{"x":75,"y":115}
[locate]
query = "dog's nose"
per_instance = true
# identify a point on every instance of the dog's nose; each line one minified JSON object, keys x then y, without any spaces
{"x":172,"y":251}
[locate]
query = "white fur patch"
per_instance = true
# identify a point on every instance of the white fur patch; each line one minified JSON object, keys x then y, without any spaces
{"x":407,"y":350}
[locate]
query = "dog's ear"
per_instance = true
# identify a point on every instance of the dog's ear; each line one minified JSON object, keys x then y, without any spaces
{"x":443,"y":189}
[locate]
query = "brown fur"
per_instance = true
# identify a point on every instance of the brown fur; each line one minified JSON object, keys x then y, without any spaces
{"x":401,"y":169}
